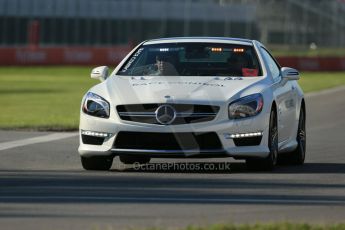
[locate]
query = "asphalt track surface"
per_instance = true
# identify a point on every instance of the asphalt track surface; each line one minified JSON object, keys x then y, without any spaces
{"x":42,"y":185}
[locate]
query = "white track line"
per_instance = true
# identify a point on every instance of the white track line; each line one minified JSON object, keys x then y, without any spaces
{"x":36,"y":140}
{"x":171,"y":199}
{"x":325,"y":91}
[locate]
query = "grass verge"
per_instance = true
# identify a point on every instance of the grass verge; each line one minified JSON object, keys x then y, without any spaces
{"x":316,"y":81}
{"x":275,"y":226}
{"x":48,"y":98}
{"x":42,"y":98}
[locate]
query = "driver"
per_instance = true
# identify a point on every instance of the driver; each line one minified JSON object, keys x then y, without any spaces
{"x":164,"y":66}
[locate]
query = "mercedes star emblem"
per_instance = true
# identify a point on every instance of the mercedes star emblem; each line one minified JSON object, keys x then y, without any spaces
{"x":165,"y":114}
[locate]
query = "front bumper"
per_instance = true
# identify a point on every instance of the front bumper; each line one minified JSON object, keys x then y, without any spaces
{"x":222,"y":127}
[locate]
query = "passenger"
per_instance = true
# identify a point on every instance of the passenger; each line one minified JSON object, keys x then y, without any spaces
{"x":240,"y":65}
{"x":236,"y":62}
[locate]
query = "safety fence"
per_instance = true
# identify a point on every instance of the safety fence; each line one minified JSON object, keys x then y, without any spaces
{"x":63,"y":55}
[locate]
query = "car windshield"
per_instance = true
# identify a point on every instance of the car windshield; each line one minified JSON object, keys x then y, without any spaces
{"x":192,"y":59}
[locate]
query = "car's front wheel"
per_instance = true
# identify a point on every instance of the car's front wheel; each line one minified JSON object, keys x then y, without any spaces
{"x":134,"y":159}
{"x":101,"y":163}
{"x":270,"y":161}
{"x":297,"y":156}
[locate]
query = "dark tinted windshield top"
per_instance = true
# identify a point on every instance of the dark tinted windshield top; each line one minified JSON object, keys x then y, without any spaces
{"x":193,"y":59}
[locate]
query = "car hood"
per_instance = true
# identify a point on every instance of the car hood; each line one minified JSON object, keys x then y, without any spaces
{"x":158,"y":89}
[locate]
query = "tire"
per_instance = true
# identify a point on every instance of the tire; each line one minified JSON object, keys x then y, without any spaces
{"x":297,"y":156}
{"x":268,"y":163}
{"x":134,"y":159}
{"x":101,"y":163}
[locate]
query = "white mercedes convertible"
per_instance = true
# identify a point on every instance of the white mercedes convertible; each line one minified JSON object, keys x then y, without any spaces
{"x":194,"y":97}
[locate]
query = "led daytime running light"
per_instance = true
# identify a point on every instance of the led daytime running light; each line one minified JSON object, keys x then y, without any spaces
{"x":95,"y":134}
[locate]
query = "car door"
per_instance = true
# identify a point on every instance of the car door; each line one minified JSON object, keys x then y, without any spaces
{"x":284,"y":95}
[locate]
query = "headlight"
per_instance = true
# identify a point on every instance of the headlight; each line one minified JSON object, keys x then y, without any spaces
{"x":246,"y":106}
{"x":95,"y":105}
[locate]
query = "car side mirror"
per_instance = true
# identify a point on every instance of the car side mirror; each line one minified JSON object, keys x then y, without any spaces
{"x":289,"y":74}
{"x":101,"y":73}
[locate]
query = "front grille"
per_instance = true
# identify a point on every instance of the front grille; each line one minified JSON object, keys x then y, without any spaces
{"x":91,"y":140}
{"x":185,"y":113}
{"x":167,"y":141}
{"x":247,"y":141}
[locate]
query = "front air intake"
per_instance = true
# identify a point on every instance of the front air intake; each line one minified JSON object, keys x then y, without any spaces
{"x":92,"y":140}
{"x":247,"y":141}
{"x":168,"y":141}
